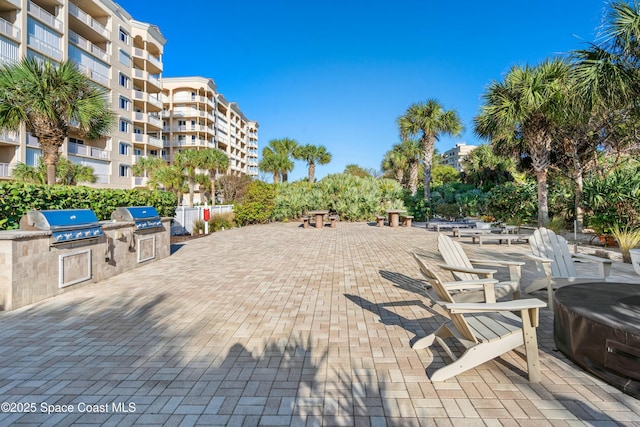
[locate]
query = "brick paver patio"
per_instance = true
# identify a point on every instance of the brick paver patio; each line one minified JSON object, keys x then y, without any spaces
{"x":278,"y":325}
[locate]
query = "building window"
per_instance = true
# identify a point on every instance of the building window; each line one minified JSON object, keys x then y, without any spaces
{"x":153,"y":152}
{"x":124,"y":58}
{"x":124,"y":81}
{"x":76,"y":141}
{"x":125,"y":104}
{"x":125,"y":126}
{"x":124,"y":170}
{"x":124,"y":36}
{"x":125,"y":149}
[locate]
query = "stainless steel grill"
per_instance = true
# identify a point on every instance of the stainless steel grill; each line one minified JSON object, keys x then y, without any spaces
{"x":144,"y":217}
{"x":66,"y":225}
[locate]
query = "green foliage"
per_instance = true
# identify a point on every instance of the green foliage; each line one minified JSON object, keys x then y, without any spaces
{"x":17,"y":198}
{"x":257,"y":205}
{"x":444,"y":174}
{"x":67,"y":172}
{"x":556,"y":224}
{"x":417,"y":205}
{"x":198,"y":227}
{"x":222,"y":221}
{"x":613,"y":200}
{"x":627,"y":238}
{"x":513,"y":202}
{"x":351,"y":197}
{"x":355,"y":170}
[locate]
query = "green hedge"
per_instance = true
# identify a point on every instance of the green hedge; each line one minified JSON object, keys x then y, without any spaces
{"x":17,"y":198}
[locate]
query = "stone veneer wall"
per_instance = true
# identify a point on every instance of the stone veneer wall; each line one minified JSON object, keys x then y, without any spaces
{"x":30,"y":267}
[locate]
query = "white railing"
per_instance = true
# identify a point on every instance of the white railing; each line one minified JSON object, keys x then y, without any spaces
{"x":87,"y":151}
{"x":94,"y":75}
{"x":86,"y":45}
{"x":88,"y":20}
{"x":155,"y":101}
{"x":154,"y":81}
{"x":185,"y":217}
{"x":32,"y":140}
{"x":44,"y":16}
{"x":155,"y":121}
{"x":44,"y":47}
{"x":9,"y":29}
{"x":5,"y":170}
{"x":141,"y":53}
{"x":9,"y":136}
{"x":140,"y":181}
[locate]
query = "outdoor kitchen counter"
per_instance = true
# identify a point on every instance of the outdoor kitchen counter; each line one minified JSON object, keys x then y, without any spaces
{"x":33,"y":268}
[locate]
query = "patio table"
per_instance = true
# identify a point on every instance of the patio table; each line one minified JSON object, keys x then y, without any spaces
{"x":319,"y":217}
{"x":394,"y":216}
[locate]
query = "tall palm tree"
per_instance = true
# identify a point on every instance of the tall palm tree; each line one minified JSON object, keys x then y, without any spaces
{"x":171,"y":178}
{"x":521,"y":113}
{"x":483,"y":168}
{"x":213,"y":160}
{"x":50,"y":99}
{"x":394,"y":163}
{"x":147,"y":166}
{"x":189,"y":161}
{"x":271,"y":162}
{"x":428,"y":121}
{"x":284,"y":149}
{"x":412,"y":152}
{"x":312,"y":155}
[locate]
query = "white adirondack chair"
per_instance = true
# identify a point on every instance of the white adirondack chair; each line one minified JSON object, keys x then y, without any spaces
{"x":557,"y":266}
{"x":486,"y":329}
{"x":463,"y":268}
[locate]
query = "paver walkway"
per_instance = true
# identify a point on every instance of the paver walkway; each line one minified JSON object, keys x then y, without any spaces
{"x":277,"y":325}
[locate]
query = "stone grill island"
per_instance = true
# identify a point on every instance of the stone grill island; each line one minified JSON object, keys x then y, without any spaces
{"x":53,"y":251}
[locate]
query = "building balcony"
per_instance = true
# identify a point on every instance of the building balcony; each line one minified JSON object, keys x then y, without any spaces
{"x":147,"y":77}
{"x":147,"y":139}
{"x":86,"y":19}
{"x":43,"y":16}
{"x":189,"y":143}
{"x":9,"y":30}
{"x":10,"y":137}
{"x":32,"y":141}
{"x":140,"y":181}
{"x":5,"y":170}
{"x":94,"y":75}
{"x":87,"y":151}
{"x":87,"y":46}
{"x":144,"y":96}
{"x":43,"y":47}
{"x":141,"y":53}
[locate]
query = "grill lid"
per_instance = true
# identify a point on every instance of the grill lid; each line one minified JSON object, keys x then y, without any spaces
{"x":144,"y":217}
{"x":65,"y":224}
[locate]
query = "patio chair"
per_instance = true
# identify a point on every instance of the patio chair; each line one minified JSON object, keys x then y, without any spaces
{"x":557,"y":265}
{"x":463,"y":268}
{"x":485,"y":329}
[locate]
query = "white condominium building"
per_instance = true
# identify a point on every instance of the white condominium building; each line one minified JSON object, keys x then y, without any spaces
{"x":124,"y":56}
{"x":457,"y":154}
{"x":196,"y":116}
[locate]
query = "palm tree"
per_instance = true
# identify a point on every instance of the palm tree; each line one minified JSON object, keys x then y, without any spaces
{"x":428,"y":121}
{"x":284,"y":148}
{"x":312,"y":154}
{"x":521,"y":113}
{"x":484,"y":169}
{"x":67,"y":172}
{"x":394,"y":163}
{"x":147,"y":166}
{"x":188,"y":161}
{"x":272,"y":163}
{"x":411,"y":151}
{"x":171,"y":178}
{"x":214,"y":159}
{"x":50,"y":99}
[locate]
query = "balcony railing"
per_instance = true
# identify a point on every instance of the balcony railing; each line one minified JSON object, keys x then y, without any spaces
{"x":32,"y":141}
{"x":87,"y":46}
{"x":140,"y":181}
{"x":8,"y":136}
{"x":88,"y":20}
{"x":87,"y":151}
{"x":44,"y":16}
{"x":94,"y":75}
{"x":147,"y":139}
{"x":43,"y":47}
{"x":9,"y":30}
{"x":5,"y":170}
{"x":141,"y":53}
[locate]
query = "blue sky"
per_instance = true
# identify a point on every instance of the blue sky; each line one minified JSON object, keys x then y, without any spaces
{"x":339,"y":73}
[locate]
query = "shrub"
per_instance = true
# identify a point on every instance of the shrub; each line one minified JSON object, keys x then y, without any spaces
{"x":17,"y":198}
{"x":513,"y":202}
{"x":222,"y":221}
{"x":198,"y":227}
{"x":257,"y":205}
{"x":627,"y":238}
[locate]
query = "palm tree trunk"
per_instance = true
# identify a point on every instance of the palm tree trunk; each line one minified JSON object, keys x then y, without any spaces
{"x":285,"y":176}
{"x":213,"y":191}
{"x":50,"y":159}
{"x":192,"y":190}
{"x":413,"y":178}
{"x":543,"y":203}
{"x":312,"y":172}
{"x":427,"y":156}
{"x":276,"y":177}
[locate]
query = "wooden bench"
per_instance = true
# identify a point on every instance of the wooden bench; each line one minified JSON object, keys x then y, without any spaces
{"x":334,"y":220}
{"x":380,"y":220}
{"x":305,"y":222}
{"x":406,"y":220}
{"x":499,"y":237}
